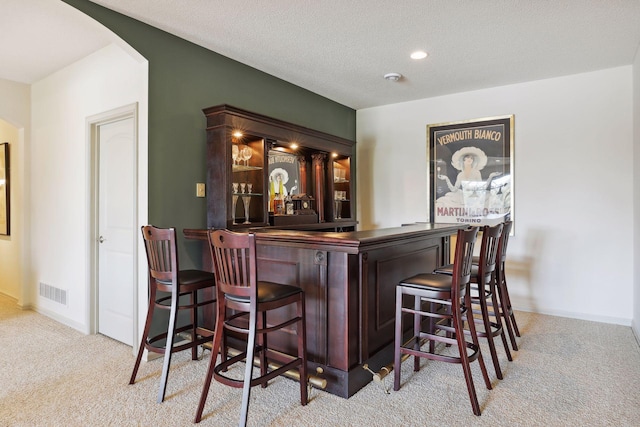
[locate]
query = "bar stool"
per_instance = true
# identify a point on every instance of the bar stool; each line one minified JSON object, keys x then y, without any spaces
{"x":165,"y":276}
{"x":506,"y":310}
{"x":504,"y":301}
{"x":484,"y":294}
{"x":435,"y":291}
{"x":243,"y":303}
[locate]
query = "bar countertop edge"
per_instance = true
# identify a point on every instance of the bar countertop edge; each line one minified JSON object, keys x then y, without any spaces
{"x":350,"y":241}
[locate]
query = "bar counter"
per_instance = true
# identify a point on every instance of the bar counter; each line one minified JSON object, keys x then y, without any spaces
{"x":349,"y":280}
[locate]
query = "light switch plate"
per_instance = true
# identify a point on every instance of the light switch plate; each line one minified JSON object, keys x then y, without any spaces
{"x":200,"y":189}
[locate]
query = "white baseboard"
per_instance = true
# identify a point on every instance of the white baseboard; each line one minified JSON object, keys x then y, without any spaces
{"x":636,"y":330}
{"x":9,"y":297}
{"x":524,"y":304}
{"x":17,"y":302}
{"x":61,"y":319}
{"x":148,"y":356}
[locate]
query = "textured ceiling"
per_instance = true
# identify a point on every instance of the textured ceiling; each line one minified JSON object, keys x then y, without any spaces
{"x":341,"y":49}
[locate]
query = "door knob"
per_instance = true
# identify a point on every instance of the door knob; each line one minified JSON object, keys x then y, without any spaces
{"x":101,"y":239}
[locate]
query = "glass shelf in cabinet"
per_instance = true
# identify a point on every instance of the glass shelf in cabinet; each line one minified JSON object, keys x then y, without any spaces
{"x":243,"y":168}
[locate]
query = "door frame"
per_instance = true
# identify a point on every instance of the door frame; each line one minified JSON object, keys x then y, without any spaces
{"x":92,"y":125}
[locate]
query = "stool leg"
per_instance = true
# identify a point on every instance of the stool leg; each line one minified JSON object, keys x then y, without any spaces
{"x":474,"y":339}
{"x":498,"y":316}
{"x":302,"y":350}
{"x":215,"y":349}
{"x":510,"y":311}
{"x":417,"y":305}
{"x":224,"y":353}
{"x":145,"y":333}
{"x":432,"y":327}
{"x":251,"y":346}
{"x":398,"y":340}
{"x":168,"y":345}
{"x":447,"y":309}
{"x":464,"y":359}
{"x":504,"y":312}
{"x":262,"y":343}
{"x":194,"y":324}
{"x":482,"y":300}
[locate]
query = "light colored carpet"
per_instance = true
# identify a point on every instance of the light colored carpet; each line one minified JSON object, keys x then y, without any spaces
{"x":567,"y":373}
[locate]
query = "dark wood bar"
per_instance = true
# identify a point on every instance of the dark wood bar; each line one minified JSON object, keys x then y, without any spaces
{"x":349,"y":280}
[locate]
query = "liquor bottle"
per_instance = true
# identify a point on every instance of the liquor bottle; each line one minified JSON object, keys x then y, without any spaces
{"x":272,"y":195}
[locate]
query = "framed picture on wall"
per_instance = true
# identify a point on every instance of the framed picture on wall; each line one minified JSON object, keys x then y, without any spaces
{"x":284,"y":173}
{"x":4,"y":189}
{"x":471,"y":171}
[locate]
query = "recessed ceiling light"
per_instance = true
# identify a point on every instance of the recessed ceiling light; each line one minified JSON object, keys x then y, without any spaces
{"x":419,"y":54}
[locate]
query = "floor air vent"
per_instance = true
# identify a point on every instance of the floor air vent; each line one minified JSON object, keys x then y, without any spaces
{"x":52,"y":293}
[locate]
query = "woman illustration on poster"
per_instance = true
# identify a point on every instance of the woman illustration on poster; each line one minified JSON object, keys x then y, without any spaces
{"x":469,"y":161}
{"x":279,"y":177}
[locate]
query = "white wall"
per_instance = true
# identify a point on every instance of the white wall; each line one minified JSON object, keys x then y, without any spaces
{"x":15,"y":123}
{"x":60,"y":171}
{"x":636,"y":192}
{"x":572,"y":250}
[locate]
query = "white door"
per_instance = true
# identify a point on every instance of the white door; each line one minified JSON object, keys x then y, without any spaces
{"x":116,"y":229}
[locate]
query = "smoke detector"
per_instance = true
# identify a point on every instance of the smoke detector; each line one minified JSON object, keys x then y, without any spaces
{"x":393,"y":77}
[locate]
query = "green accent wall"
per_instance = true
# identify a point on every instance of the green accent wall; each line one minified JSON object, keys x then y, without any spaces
{"x":184,"y":79}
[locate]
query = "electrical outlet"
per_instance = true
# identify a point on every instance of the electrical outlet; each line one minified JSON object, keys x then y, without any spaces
{"x":200,"y":189}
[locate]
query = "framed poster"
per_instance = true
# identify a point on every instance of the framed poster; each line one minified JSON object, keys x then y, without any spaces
{"x":4,"y":189}
{"x":284,"y":173}
{"x":471,"y":171}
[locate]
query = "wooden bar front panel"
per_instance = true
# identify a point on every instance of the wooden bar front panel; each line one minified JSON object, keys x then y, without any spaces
{"x":349,"y":281}
{"x":384,"y":268}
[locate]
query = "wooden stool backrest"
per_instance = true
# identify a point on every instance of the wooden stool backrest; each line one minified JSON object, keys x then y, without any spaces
{"x":162,"y":255}
{"x":463,"y":258}
{"x":234,"y":260}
